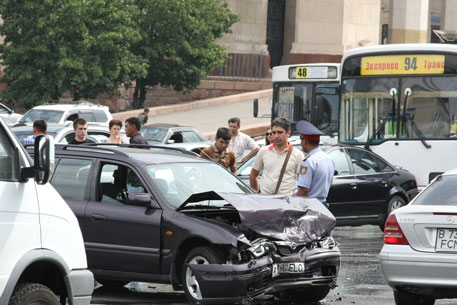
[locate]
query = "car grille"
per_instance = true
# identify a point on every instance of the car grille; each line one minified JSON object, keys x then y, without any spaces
{"x":286,"y":250}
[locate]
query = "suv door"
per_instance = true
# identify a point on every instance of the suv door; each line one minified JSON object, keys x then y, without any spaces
{"x":120,"y":236}
{"x":19,"y":213}
{"x":71,"y":178}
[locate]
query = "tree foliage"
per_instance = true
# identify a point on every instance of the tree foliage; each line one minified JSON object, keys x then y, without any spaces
{"x":88,"y":47}
{"x":178,"y":42}
{"x":55,"y":46}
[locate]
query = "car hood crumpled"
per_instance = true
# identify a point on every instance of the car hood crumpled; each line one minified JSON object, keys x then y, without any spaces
{"x":287,"y":218}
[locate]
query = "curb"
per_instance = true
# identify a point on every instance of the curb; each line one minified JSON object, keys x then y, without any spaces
{"x":195,"y":104}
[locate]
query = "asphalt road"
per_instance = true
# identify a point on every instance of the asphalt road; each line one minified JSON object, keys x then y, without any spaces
{"x":360,"y":281}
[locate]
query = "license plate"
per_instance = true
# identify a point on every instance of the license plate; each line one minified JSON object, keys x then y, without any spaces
{"x":446,"y":240}
{"x":288,"y":268}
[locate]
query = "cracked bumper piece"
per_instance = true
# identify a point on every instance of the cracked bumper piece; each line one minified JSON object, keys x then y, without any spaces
{"x":320,"y":269}
{"x":231,"y":283}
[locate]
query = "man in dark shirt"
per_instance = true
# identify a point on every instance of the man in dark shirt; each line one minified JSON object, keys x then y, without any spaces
{"x":80,"y":127}
{"x":144,"y":116}
{"x":132,"y":130}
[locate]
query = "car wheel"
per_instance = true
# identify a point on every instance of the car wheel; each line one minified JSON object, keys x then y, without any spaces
{"x":31,"y":293}
{"x":310,"y":294}
{"x":394,"y":203}
{"x":112,"y":283}
{"x":200,"y":255}
{"x":407,"y":298}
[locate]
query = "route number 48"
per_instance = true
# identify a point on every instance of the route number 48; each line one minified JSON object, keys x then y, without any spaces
{"x":302,"y":72}
{"x":410,"y":63}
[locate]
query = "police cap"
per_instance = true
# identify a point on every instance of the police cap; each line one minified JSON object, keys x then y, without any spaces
{"x":308,"y":131}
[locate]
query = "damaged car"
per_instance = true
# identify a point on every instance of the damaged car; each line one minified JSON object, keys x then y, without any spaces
{"x":167,"y":217}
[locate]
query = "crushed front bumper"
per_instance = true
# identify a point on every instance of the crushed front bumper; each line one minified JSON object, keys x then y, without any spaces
{"x":233,"y":283}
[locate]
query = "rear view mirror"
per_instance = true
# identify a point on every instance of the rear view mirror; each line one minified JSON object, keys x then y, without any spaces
{"x":256,"y":107}
{"x":43,"y":158}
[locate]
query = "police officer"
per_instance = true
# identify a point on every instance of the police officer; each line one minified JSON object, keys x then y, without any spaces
{"x":316,"y":171}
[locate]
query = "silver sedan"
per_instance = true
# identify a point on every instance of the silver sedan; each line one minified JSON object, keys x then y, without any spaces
{"x":419,"y":256}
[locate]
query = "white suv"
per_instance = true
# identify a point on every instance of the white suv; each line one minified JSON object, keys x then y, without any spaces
{"x":59,"y":113}
{"x":41,"y":247}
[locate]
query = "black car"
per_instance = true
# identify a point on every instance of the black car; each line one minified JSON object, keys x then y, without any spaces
{"x":365,"y":188}
{"x":169,"y":217}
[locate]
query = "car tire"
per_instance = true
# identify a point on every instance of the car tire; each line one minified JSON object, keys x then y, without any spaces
{"x":407,"y":298}
{"x":200,"y":255}
{"x":394,"y":203}
{"x":32,"y":293}
{"x":310,"y":294}
{"x":112,"y":283}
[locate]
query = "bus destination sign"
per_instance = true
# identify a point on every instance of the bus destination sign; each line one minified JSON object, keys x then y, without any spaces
{"x":402,"y":64}
{"x":308,"y":72}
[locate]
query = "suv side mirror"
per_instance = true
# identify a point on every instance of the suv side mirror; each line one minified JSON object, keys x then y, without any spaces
{"x":43,"y":158}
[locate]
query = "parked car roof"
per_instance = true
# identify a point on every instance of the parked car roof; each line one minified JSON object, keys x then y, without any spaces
{"x":60,"y":113}
{"x":65,"y":133}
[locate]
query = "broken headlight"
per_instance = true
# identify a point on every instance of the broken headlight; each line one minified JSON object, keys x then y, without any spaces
{"x":327,"y":243}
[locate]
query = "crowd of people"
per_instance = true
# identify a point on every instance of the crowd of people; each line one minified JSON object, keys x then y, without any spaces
{"x":286,"y":170}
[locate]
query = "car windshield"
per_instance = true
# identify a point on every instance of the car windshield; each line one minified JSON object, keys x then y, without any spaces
{"x":50,"y":116}
{"x":440,"y":192}
{"x":178,"y":181}
{"x":154,"y":134}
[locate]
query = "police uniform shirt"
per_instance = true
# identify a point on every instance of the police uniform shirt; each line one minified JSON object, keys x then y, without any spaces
{"x":316,"y":174}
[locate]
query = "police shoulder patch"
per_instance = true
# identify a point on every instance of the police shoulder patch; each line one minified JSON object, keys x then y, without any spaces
{"x":303,"y":170}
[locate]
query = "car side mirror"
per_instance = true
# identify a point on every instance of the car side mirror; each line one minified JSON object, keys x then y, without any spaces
{"x":142,"y":199}
{"x":335,"y":173}
{"x":43,"y":158}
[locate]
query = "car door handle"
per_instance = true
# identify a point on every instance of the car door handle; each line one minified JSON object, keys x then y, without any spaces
{"x":97,"y":217}
{"x":353,"y":186}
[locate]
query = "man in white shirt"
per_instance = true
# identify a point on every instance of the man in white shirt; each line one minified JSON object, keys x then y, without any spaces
{"x":271,"y":159}
{"x":240,"y":142}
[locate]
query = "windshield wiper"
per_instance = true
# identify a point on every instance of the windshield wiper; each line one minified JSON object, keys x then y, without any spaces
{"x":198,"y":207}
{"x":380,"y":130}
{"x":407,"y":116}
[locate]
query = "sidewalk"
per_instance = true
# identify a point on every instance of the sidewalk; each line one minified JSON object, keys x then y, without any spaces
{"x":210,"y":114}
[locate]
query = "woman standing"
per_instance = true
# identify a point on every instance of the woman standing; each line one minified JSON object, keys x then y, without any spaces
{"x":115,"y":133}
{"x":268,"y":136}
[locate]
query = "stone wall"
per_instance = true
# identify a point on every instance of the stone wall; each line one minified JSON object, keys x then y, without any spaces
{"x":159,"y":96}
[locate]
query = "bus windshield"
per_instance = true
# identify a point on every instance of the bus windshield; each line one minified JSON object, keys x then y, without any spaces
{"x":375,"y":109}
{"x":312,"y":101}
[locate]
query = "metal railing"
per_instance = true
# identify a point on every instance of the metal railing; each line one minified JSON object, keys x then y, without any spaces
{"x":241,"y":66}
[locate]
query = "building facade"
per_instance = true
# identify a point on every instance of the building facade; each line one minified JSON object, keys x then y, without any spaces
{"x":279,"y":32}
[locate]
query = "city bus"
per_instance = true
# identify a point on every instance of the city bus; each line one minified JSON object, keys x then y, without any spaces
{"x":400,"y":101}
{"x":310,"y":92}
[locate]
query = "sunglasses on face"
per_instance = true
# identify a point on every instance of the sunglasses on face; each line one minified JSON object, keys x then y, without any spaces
{"x":269,"y":134}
